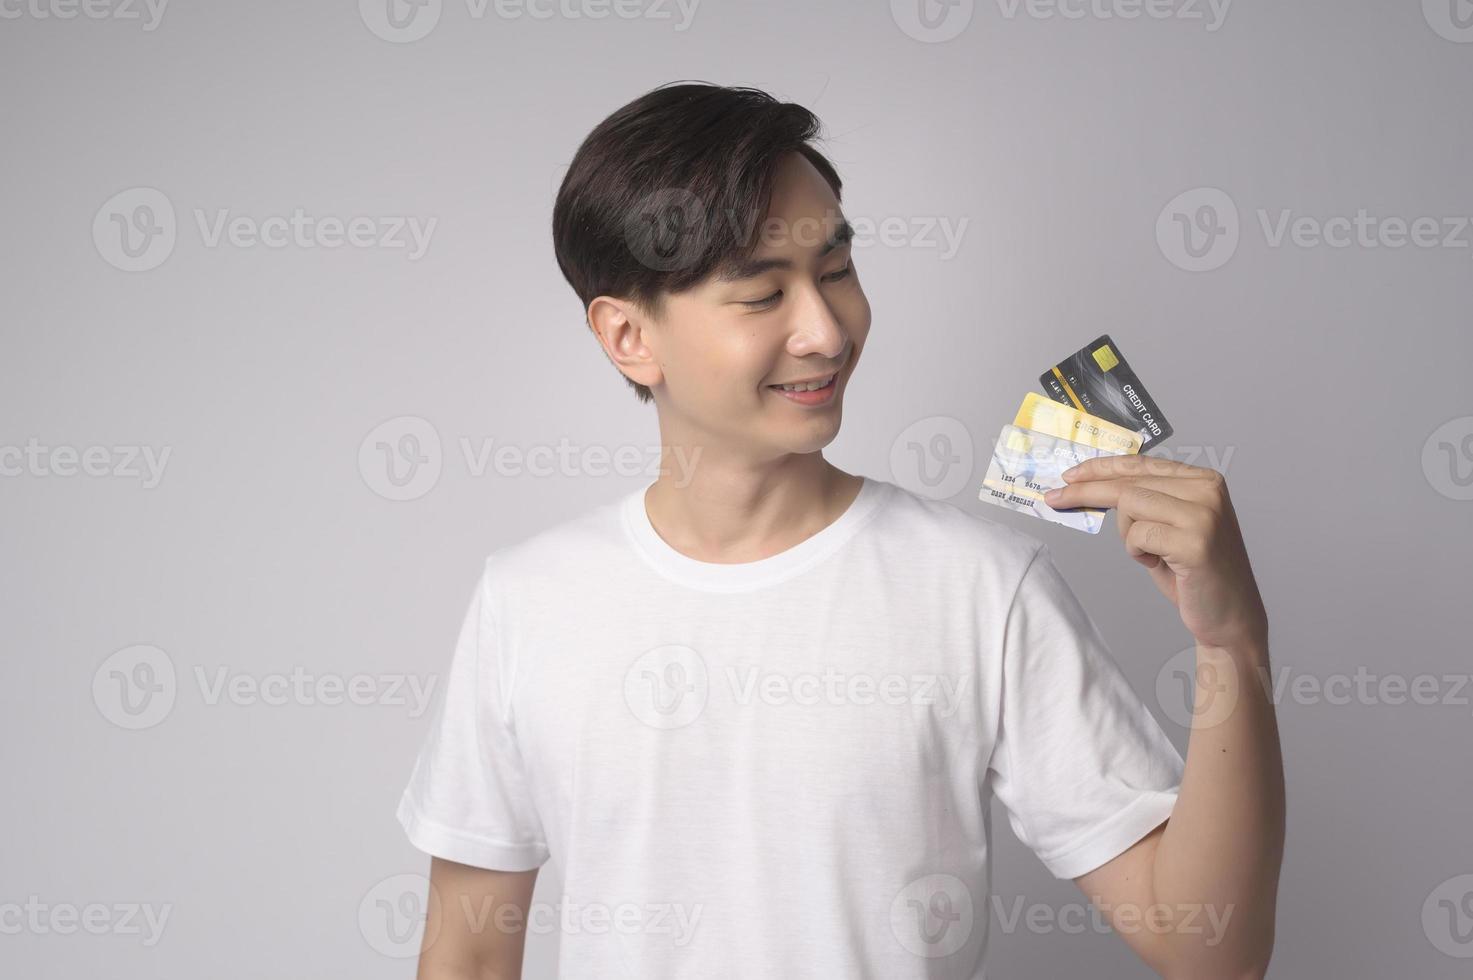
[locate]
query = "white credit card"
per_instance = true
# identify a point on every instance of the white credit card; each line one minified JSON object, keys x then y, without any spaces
{"x":1026,"y":464}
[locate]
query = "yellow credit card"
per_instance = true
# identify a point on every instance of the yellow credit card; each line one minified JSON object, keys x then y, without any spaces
{"x":1063,"y":422}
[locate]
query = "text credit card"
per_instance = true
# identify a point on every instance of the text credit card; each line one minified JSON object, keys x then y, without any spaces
{"x":1051,"y":418}
{"x":1100,"y":381}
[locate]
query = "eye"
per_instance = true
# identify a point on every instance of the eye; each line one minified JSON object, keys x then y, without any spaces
{"x":766,"y":301}
{"x":759,"y":303}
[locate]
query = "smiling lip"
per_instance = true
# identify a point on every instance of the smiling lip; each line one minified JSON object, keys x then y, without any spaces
{"x":817,"y":396}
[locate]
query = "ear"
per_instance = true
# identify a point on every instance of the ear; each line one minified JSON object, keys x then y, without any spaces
{"x":624,"y":332}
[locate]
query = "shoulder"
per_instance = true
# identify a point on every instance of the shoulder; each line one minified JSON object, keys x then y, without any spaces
{"x":945,"y":528}
{"x":584,"y":547}
{"x":945,"y":548}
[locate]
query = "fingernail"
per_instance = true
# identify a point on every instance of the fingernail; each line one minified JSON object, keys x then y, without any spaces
{"x":1053,"y":494}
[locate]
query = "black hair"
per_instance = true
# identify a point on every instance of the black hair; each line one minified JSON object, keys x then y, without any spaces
{"x":673,"y":187}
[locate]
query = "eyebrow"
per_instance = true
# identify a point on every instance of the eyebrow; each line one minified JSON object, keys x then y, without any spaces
{"x":741,"y":269}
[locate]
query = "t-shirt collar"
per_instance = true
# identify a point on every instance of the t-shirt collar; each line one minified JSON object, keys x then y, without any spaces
{"x":745,"y":576}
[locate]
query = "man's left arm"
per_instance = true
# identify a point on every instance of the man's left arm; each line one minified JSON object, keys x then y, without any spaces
{"x":1195,"y":898}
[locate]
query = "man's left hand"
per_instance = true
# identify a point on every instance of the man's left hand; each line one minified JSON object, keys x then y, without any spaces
{"x":1177,"y":521}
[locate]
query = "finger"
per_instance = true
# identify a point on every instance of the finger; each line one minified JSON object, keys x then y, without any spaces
{"x":1170,"y":543}
{"x":1111,"y":467}
{"x":1123,"y":523}
{"x":1198,"y":491}
{"x":1129,"y":497}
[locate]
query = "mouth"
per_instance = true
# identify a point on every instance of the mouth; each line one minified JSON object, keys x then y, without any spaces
{"x":816,"y":392}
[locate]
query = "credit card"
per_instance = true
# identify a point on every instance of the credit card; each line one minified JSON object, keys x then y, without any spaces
{"x":1026,"y":464}
{"x":1100,"y":381}
{"x":1066,"y":422}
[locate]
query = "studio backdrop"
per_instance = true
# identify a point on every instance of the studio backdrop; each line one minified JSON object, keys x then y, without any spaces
{"x":286,"y":354}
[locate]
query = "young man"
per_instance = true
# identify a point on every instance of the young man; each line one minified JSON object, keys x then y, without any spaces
{"x":758,"y":708}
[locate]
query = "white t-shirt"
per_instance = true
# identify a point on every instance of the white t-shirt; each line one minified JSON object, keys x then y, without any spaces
{"x":783,"y":767}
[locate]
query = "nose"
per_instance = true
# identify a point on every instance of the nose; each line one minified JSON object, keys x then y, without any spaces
{"x":815,"y":328}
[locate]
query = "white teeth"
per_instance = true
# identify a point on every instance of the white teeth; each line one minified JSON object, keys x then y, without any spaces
{"x":810,"y":386}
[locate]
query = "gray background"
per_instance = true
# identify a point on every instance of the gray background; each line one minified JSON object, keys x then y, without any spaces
{"x":1316,"y":376}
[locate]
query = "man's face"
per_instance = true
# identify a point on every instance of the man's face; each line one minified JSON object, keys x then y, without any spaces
{"x":796,"y":313}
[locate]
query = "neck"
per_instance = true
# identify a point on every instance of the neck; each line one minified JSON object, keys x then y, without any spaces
{"x":720,"y":508}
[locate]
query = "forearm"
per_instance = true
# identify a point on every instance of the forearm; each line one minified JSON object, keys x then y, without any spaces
{"x":476,"y":922}
{"x":1221,"y":850}
{"x":458,"y":961}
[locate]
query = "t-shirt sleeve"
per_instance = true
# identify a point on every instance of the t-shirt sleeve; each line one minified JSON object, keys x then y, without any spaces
{"x":1079,"y":762}
{"x":467,"y":799}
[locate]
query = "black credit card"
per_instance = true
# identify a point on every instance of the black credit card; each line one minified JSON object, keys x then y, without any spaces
{"x":1100,"y":381}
